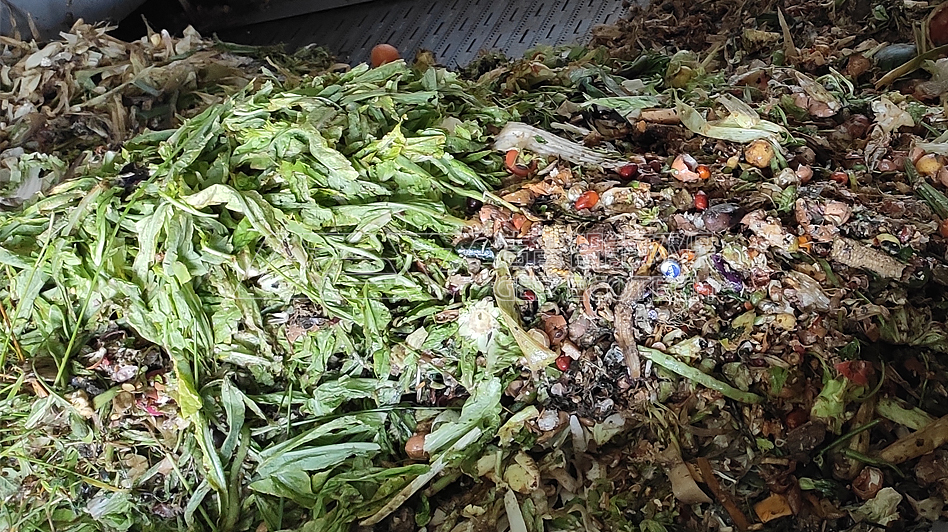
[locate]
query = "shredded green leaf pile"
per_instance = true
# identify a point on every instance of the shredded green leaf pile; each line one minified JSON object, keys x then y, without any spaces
{"x":327,"y":196}
{"x":252,"y":294}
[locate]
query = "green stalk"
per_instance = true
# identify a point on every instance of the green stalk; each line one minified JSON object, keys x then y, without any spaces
{"x":849,"y":435}
{"x":913,"y":418}
{"x":855,"y":455}
{"x":696,"y":375}
{"x":61,"y":365}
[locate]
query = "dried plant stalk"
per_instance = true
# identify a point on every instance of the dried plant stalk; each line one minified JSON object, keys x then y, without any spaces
{"x":856,"y":255}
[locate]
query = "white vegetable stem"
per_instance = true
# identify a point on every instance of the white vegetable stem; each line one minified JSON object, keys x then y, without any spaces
{"x":514,"y":515}
{"x":519,"y":136}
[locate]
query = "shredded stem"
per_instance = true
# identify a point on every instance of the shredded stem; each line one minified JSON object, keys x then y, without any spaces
{"x":849,"y":435}
{"x":62,"y":364}
{"x":723,"y":496}
{"x":913,"y":418}
{"x":856,"y":455}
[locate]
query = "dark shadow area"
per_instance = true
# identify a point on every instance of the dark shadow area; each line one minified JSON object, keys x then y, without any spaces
{"x":159,"y":14}
{"x":457,"y":31}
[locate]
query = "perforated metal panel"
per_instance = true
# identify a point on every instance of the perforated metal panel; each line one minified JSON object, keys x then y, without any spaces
{"x":456,"y":30}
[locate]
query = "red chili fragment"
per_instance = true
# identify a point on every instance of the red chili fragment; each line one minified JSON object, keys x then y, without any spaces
{"x":563,"y":362}
{"x":701,"y":201}
{"x":857,"y":371}
{"x":587,"y":200}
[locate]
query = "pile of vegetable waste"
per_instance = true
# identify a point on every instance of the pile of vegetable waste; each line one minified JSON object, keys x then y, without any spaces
{"x":90,"y":91}
{"x":660,"y":282}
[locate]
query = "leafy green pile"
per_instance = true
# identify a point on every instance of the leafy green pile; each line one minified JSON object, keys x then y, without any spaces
{"x":258,"y":320}
{"x":336,"y":199}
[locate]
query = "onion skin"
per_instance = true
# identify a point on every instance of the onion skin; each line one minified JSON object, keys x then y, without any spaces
{"x":805,"y":173}
{"x":629,"y":171}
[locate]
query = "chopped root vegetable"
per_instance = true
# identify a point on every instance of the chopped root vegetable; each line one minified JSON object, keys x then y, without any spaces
{"x":421,"y":480}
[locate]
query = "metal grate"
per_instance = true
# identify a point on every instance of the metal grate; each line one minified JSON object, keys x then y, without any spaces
{"x":455,"y":30}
